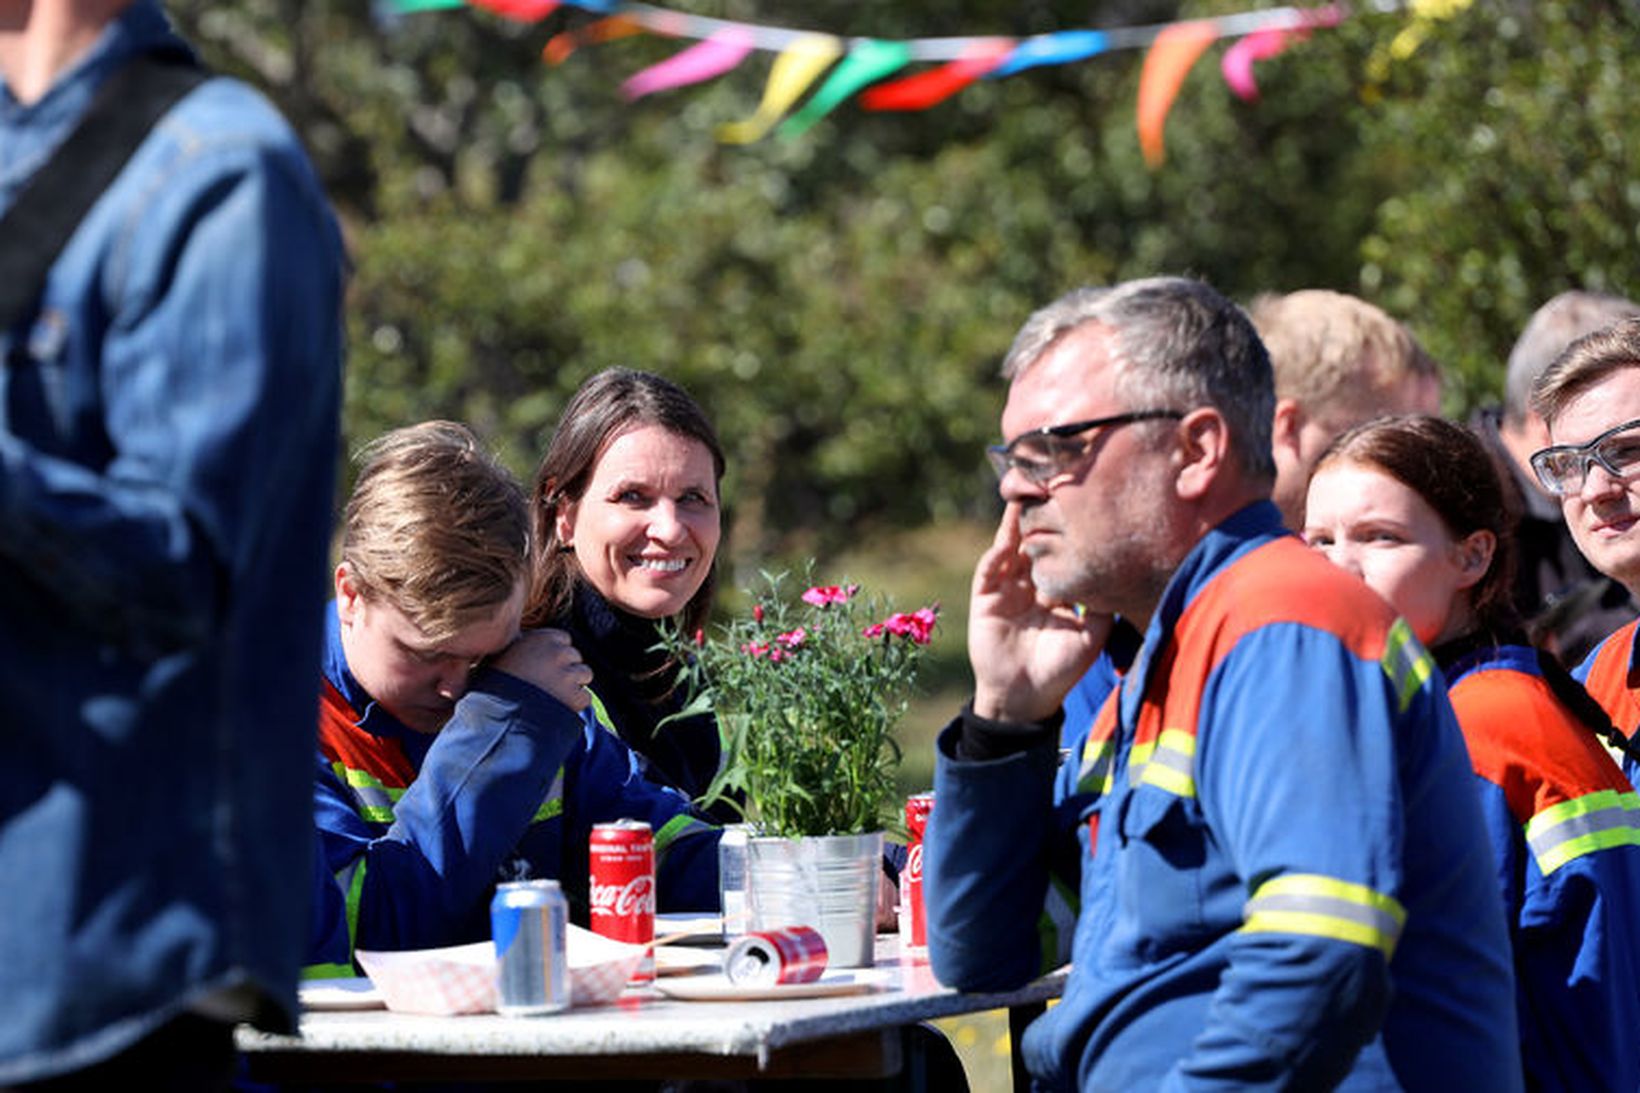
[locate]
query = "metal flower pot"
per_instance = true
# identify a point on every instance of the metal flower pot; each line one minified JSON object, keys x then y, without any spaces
{"x":825,"y":881}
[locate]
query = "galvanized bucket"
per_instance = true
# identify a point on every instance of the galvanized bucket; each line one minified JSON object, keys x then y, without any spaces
{"x":825,"y":881}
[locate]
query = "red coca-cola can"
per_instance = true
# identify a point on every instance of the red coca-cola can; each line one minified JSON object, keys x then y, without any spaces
{"x":622,"y":885}
{"x":913,"y":920}
{"x":768,"y":958}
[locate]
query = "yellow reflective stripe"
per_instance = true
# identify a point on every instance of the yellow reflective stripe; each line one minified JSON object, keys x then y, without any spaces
{"x":1094,"y":776}
{"x":1571,"y":829}
{"x":374,"y":799}
{"x":554,"y":804}
{"x":355,"y":888}
{"x":1319,"y":906}
{"x":676,"y":828}
{"x":1168,"y":763}
{"x":327,"y":971}
{"x":1056,"y":926}
{"x":601,"y":713}
{"x":1406,"y":663}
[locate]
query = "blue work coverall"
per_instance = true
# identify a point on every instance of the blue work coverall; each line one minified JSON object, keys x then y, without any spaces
{"x":1268,"y":847}
{"x":1565,"y":831}
{"x":418,"y":828}
{"x":168,"y":437}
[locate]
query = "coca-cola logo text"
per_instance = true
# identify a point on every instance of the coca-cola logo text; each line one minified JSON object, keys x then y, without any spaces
{"x":635,"y":897}
{"x":913,"y":863}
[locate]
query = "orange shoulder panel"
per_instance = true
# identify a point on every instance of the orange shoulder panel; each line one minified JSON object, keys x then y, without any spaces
{"x":1522,"y":740}
{"x":341,"y":740}
{"x":1281,"y":581}
{"x":1286,"y":581}
{"x":1609,"y":681}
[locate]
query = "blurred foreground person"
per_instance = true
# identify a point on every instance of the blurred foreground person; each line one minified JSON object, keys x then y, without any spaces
{"x":1270,"y":824}
{"x":1568,"y":606}
{"x":1414,"y":507}
{"x":1589,"y":399}
{"x":168,"y":422}
{"x":454,"y":753}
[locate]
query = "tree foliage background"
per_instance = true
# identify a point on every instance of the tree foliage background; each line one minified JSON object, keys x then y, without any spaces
{"x":839,"y":302}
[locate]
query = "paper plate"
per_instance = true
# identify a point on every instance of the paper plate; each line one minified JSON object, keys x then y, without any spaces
{"x":681,"y":960}
{"x":356,"y":993}
{"x":717,"y":988}
{"x":696,"y":928}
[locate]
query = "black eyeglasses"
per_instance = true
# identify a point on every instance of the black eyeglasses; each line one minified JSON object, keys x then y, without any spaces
{"x":1563,"y":468}
{"x":1042,"y":455}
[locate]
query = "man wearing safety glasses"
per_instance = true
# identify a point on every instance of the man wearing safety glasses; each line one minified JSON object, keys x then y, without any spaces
{"x":1260,"y":856}
{"x":1590,"y":400}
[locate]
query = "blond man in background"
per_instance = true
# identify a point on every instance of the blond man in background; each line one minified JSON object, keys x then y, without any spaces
{"x":1338,"y":361}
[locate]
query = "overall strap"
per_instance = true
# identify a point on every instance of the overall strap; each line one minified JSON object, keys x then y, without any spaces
{"x":52,"y":203}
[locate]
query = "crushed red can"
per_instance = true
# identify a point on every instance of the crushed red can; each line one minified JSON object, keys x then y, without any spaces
{"x":767,"y":958}
{"x":913,"y":919}
{"x":622,"y":887}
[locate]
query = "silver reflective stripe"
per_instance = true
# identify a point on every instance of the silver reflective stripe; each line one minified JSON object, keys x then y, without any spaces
{"x":1173,"y":759}
{"x":1096,"y":764}
{"x":1582,"y":825}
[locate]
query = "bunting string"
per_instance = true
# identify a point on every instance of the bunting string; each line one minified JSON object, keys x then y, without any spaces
{"x":860,"y":65}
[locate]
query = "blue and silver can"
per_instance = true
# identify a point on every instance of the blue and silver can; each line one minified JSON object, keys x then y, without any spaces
{"x":528,"y":921}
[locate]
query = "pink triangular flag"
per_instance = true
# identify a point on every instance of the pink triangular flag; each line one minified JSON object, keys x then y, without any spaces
{"x":701,"y":61}
{"x":1237,"y":64}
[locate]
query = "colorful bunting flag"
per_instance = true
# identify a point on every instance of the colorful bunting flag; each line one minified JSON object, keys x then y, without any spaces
{"x":926,"y":89}
{"x":1237,"y":62}
{"x":1065,"y":47}
{"x":869,"y":61}
{"x":798,"y":65}
{"x":560,"y":46}
{"x":1176,"y":48}
{"x":803,"y":56}
{"x":701,"y":61}
{"x":523,"y":11}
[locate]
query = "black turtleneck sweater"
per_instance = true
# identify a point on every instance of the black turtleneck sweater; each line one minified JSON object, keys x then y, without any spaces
{"x":635,"y":684}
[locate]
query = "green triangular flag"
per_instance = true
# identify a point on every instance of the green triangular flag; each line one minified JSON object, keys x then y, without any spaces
{"x":866,"y":63}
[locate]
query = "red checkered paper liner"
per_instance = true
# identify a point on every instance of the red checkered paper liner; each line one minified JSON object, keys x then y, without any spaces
{"x":599,"y":966}
{"x":459,"y":979}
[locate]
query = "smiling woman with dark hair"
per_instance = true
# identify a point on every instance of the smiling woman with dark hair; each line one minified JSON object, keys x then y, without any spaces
{"x":627,"y":523}
{"x":1415,"y":507}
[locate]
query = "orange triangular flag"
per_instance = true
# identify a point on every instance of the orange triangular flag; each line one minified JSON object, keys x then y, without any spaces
{"x":560,"y":46}
{"x":1176,"y":48}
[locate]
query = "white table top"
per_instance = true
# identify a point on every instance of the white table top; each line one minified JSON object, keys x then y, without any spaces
{"x":645,"y":1022}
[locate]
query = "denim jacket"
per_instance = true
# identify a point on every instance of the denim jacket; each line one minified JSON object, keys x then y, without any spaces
{"x":168,"y":435}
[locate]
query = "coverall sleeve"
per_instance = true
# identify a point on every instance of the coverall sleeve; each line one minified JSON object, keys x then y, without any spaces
{"x":479,"y":787}
{"x":610,"y":786}
{"x":1297,"y":778}
{"x":986,"y":858}
{"x":227,"y":287}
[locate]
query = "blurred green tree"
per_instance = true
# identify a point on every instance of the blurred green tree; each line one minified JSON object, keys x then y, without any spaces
{"x":839,"y":302}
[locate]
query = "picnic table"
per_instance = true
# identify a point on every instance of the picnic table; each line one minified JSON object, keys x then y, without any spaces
{"x":859,"y":1032}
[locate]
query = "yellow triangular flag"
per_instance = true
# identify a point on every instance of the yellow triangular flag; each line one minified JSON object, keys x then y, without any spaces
{"x":798,"y":65}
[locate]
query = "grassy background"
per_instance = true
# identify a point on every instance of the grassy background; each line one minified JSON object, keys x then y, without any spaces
{"x":935,"y":565}
{"x":929,"y":565}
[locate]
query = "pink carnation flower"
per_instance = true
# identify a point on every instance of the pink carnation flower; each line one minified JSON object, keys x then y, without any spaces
{"x":821,"y":595}
{"x":754,"y":649}
{"x":918,"y":626}
{"x":872,"y":631}
{"x":791,"y":639}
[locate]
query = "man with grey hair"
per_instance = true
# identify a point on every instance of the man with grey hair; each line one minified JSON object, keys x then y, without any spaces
{"x":1566,"y":603}
{"x":1270,"y":823}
